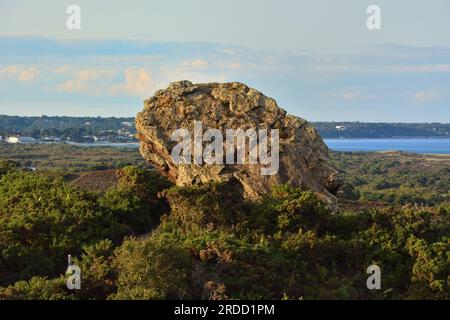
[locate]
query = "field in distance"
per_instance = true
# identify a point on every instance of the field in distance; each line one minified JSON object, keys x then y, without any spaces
{"x":372,"y":179}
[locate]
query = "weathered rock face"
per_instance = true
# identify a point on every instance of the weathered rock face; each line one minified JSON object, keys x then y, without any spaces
{"x":303,"y":156}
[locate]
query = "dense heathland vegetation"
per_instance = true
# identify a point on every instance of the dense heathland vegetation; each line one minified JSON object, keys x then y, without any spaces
{"x":394,"y":177}
{"x":69,"y":158}
{"x":146,"y":239}
{"x":386,"y":177}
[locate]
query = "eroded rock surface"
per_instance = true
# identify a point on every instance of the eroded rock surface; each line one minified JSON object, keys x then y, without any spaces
{"x":303,"y":159}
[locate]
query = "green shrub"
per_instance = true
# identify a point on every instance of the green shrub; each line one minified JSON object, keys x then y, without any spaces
{"x":43,"y":220}
{"x":152,"y":269}
{"x":37,"y":288}
{"x":206,"y":206}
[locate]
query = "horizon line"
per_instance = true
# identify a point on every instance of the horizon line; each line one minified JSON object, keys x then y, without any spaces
{"x":127,"y":117}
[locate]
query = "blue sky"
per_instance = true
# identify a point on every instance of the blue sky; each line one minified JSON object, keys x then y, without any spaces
{"x":317,"y":59}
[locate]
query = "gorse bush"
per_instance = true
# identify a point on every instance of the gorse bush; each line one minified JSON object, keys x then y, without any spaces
{"x":207,"y":242}
{"x":152,"y":269}
{"x":287,"y":209}
{"x":7,"y":166}
{"x":287,"y":245}
{"x":42,"y":220}
{"x":394,"y":178}
{"x":135,"y":201}
{"x":37,"y":288}
{"x":207,"y":205}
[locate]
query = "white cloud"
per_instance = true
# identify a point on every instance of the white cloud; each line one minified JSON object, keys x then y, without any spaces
{"x":425,"y":96}
{"x":20,"y":73}
{"x":62,"y":69}
{"x":9,"y":70}
{"x":28,"y":74}
{"x":386,"y":68}
{"x":89,"y":81}
{"x":228,"y":51}
{"x":175,"y":74}
{"x":345,"y":95}
{"x":348,"y":96}
{"x":197,"y":63}
{"x":137,"y":82}
{"x":423,"y":68}
{"x":234,"y":65}
{"x":334,"y":68}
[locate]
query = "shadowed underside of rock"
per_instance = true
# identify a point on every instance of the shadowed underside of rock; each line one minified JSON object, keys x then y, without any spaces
{"x":303,"y":155}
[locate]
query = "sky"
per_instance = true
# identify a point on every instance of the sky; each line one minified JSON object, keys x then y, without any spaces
{"x":317,"y":59}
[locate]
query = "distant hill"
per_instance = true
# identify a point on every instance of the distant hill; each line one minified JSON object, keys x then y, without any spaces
{"x":28,"y":124}
{"x":77,"y":128}
{"x":381,"y":130}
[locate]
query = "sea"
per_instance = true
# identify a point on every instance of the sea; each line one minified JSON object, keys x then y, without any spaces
{"x":431,"y":146}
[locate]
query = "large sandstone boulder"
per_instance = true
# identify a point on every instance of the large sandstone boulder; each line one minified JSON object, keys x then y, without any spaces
{"x":303,"y":156}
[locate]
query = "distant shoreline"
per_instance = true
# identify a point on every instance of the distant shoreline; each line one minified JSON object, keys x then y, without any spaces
{"x":431,"y":146}
{"x":392,"y":138}
{"x":411,"y":145}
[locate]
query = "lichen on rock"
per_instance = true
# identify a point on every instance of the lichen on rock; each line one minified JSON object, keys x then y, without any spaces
{"x":303,"y":156}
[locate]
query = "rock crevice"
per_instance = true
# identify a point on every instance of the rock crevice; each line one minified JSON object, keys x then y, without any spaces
{"x":303,"y":156}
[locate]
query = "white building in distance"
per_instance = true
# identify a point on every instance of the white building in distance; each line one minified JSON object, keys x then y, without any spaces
{"x":24,"y":140}
{"x":126,"y":124}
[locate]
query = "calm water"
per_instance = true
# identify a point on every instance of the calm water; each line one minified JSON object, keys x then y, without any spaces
{"x":106,"y":144}
{"x":435,"y":146}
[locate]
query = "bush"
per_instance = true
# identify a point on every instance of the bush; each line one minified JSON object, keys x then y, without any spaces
{"x":208,"y":205}
{"x":129,"y":209}
{"x":7,"y":166}
{"x":43,"y":220}
{"x":212,"y":244}
{"x":37,"y":288}
{"x":152,"y":269}
{"x":287,"y":209}
{"x":136,"y":201}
